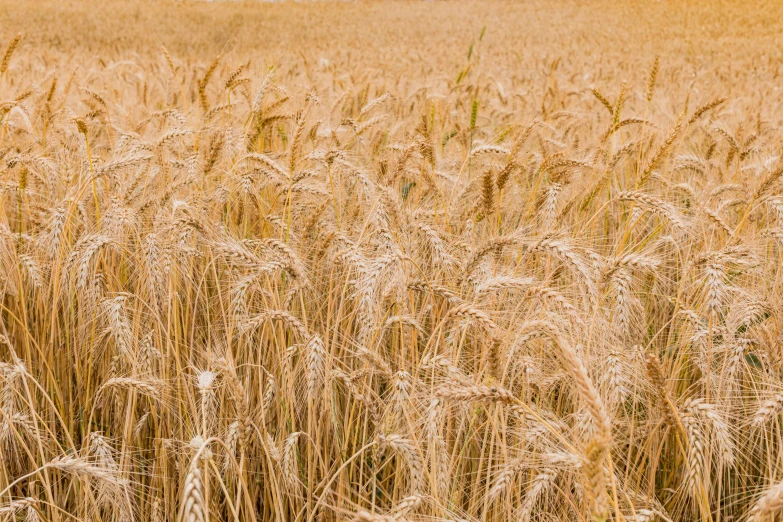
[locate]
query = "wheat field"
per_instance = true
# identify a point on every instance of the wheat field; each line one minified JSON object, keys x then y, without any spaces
{"x":391,"y":261}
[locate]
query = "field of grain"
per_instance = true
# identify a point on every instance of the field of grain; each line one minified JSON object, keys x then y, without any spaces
{"x":391,"y":261}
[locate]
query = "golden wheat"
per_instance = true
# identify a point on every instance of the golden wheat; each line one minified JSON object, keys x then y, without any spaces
{"x":389,"y":261}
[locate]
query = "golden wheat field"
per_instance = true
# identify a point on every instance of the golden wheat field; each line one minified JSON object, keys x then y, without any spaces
{"x":391,"y":261}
